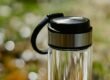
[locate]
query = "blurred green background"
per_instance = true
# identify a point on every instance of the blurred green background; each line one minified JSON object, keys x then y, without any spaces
{"x":18,"y":18}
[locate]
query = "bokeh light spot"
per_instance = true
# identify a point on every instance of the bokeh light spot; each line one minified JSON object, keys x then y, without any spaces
{"x":5,"y":11}
{"x":33,"y":76}
{"x":25,"y":32}
{"x":10,"y":45}
{"x":27,"y":55}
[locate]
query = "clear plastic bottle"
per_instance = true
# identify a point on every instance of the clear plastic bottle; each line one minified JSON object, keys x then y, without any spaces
{"x":70,"y":65}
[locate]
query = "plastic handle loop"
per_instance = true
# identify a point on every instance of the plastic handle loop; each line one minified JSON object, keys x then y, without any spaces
{"x":39,"y":27}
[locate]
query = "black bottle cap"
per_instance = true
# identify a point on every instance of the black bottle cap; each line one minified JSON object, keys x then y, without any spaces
{"x":70,"y":25}
{"x":70,"y":33}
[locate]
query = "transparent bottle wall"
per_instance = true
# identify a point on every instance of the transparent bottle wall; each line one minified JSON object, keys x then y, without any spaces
{"x":70,"y":65}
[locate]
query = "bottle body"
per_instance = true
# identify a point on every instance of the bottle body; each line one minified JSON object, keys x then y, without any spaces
{"x":69,"y":65}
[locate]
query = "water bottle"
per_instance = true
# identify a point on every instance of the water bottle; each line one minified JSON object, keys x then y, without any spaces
{"x":69,"y":52}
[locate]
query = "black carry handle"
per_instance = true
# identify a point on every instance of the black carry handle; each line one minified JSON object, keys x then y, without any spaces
{"x":39,"y":27}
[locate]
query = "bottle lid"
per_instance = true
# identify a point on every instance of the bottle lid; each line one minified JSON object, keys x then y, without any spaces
{"x":72,"y":33}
